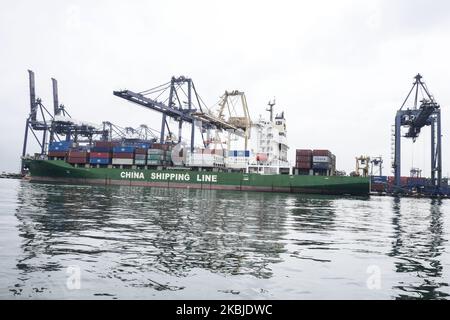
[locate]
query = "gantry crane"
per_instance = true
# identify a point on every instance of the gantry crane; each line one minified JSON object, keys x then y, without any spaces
{"x":58,"y":125}
{"x":415,"y":118}
{"x":193,"y":111}
{"x":362,"y":166}
{"x":228,"y":113}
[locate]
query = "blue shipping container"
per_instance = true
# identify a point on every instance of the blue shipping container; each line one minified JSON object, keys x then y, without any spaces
{"x":99,"y":161}
{"x":126,"y":149}
{"x":379,"y":179}
{"x":61,"y":143}
{"x":143,"y":145}
{"x":58,"y":148}
{"x":321,"y":165}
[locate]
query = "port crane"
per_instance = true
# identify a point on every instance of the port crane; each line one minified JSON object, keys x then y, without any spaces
{"x":56,"y":124}
{"x":414,"y":118}
{"x":178,"y":99}
{"x":59,"y":124}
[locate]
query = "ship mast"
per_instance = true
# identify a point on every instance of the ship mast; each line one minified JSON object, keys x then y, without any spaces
{"x":270,"y":109}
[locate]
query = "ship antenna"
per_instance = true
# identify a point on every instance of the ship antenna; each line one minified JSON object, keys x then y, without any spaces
{"x":270,"y":109}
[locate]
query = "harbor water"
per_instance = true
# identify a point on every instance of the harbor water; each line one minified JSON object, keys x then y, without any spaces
{"x":95,"y":242}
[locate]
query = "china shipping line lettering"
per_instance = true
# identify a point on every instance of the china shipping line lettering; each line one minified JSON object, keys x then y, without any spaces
{"x":169,"y":176}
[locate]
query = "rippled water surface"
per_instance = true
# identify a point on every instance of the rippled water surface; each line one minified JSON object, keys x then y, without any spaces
{"x":72,"y":242}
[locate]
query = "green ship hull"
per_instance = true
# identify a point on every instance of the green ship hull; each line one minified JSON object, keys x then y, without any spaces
{"x":60,"y":171}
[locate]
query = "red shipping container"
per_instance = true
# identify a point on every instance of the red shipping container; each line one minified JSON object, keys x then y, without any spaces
{"x":303,"y":152}
{"x":140,"y":151}
{"x":103,"y":155}
{"x":378,"y":187}
{"x":123,"y":155}
{"x":304,"y":159}
{"x":160,"y":146}
{"x":303,"y":165}
{"x":58,"y":154}
{"x":76,"y":160}
{"x":321,"y":153}
{"x":403,"y":180}
{"x":77,"y":154}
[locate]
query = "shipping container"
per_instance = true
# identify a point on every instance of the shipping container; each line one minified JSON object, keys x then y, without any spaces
{"x":141,"y":151}
{"x":155,"y":151}
{"x":59,"y":154}
{"x":123,"y":149}
{"x":140,"y":162}
{"x":101,"y":149}
{"x":160,"y":146}
{"x":303,"y":165}
{"x":153,"y":162}
{"x":378,"y":179}
{"x":77,"y":154}
{"x":319,"y":152}
{"x":99,"y":160}
{"x":376,"y":187}
{"x":58,"y":148}
{"x":158,"y":157}
{"x":303,"y":158}
{"x":100,"y":155}
{"x":122,"y":161}
{"x":77,"y":160}
{"x":123,"y":155}
{"x":321,"y":159}
{"x":106,"y":144}
{"x":143,"y":145}
{"x":303,"y":152}
{"x":140,"y":156}
{"x":321,"y":165}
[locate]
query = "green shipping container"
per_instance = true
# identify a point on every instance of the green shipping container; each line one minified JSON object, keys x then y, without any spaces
{"x":155,"y":157}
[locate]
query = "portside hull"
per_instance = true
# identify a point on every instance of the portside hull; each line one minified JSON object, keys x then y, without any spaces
{"x":60,"y":171}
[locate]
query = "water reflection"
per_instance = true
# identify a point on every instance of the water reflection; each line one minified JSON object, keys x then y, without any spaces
{"x":417,"y":245}
{"x":125,"y":232}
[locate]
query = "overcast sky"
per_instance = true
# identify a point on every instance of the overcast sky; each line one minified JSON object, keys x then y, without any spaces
{"x":339,"y":69}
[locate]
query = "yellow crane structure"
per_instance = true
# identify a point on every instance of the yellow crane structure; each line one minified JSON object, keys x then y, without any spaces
{"x":362,"y":166}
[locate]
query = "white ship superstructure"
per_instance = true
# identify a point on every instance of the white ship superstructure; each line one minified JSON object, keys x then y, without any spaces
{"x":269,"y":155}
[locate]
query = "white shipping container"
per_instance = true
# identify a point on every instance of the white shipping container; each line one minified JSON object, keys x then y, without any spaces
{"x":119,"y":161}
{"x":321,"y":159}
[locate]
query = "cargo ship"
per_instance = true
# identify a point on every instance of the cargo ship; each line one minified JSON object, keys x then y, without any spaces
{"x":171,"y":165}
{"x":166,"y":161}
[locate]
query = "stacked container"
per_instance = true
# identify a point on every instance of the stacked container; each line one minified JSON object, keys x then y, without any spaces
{"x":123,"y":155}
{"x":140,"y":156}
{"x":303,"y":161}
{"x":59,"y":149}
{"x":101,"y":152}
{"x":78,"y":157}
{"x":155,"y":157}
{"x":322,"y":162}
